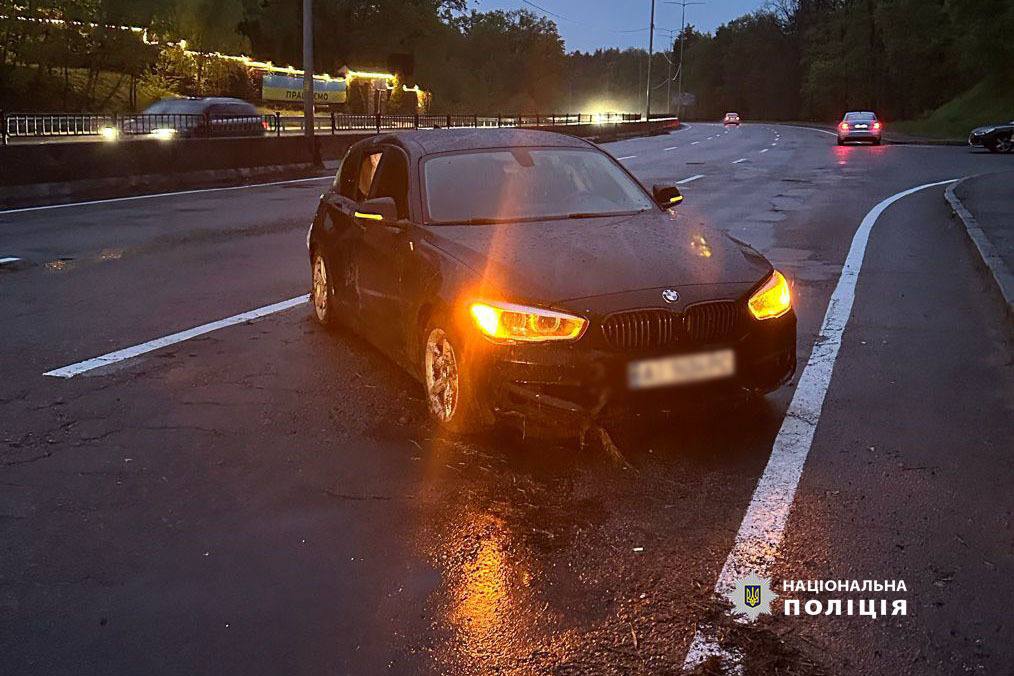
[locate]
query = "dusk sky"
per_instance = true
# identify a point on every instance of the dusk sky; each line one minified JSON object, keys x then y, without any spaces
{"x":590,"y":24}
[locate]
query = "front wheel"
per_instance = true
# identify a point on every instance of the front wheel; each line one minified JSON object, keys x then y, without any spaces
{"x":876,"y":142}
{"x":320,"y":290}
{"x":841,"y":142}
{"x":450,"y":395}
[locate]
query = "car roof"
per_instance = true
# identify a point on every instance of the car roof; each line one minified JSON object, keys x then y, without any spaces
{"x":861,"y":112}
{"x":429,"y":141}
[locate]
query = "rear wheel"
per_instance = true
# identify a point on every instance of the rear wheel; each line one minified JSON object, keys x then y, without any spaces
{"x":1002,"y":144}
{"x":841,"y":141}
{"x":450,"y":395}
{"x":876,"y":142}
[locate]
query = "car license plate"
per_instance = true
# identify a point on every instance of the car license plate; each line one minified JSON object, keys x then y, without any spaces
{"x":681,"y":369}
{"x":861,"y":126}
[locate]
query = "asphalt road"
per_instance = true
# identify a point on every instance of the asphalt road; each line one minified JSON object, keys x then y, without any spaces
{"x":270,"y":497}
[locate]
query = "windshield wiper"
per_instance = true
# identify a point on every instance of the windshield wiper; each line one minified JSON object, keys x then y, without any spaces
{"x":602,"y":214}
{"x":472,"y":221}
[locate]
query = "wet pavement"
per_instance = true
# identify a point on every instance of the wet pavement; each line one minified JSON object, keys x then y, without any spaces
{"x":272,"y":498}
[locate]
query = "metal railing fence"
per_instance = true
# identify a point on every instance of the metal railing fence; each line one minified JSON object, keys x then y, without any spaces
{"x":169,"y":126}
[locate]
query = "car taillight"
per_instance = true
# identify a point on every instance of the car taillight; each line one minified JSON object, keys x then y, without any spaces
{"x":876,"y":125}
{"x":264,"y":123}
{"x":844,"y":126}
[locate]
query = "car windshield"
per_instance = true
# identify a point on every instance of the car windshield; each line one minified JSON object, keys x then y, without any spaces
{"x":175,"y":106}
{"x":527,"y":184}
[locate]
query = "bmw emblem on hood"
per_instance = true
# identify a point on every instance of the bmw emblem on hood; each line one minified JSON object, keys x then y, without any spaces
{"x":670,"y":295}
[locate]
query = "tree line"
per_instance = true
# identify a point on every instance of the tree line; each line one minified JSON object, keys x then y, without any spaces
{"x":794,"y":59}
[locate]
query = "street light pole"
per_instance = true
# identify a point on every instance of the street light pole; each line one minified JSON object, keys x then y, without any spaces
{"x":308,"y":130}
{"x":683,"y":30}
{"x":668,"y":75}
{"x":651,"y":45}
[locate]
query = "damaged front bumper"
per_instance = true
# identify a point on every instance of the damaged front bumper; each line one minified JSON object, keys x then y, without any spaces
{"x":560,"y":388}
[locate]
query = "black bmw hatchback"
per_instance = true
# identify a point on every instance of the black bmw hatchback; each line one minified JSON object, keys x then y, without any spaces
{"x":528,"y":276}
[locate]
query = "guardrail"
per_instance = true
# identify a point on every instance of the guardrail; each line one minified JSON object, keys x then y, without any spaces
{"x":168,"y":126}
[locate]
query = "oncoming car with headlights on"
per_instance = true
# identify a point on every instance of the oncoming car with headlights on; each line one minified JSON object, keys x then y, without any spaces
{"x":527,"y":276}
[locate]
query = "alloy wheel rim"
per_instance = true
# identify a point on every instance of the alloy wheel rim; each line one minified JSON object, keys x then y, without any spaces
{"x":442,"y":386}
{"x":1004,"y":145}
{"x":319,"y":287}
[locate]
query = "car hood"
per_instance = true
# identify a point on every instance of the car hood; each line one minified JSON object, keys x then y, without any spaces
{"x":556,"y":261}
{"x":989,"y":127}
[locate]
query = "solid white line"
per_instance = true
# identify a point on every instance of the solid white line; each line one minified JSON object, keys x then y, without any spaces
{"x":688,"y":180}
{"x":672,"y":148}
{"x":742,"y":159}
{"x":626,"y":157}
{"x":760,"y":534}
{"x":164,"y":194}
{"x":157,"y":343}
{"x":765,"y":150}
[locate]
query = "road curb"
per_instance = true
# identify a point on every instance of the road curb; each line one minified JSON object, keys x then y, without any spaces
{"x":36,"y":194}
{"x":994,"y":264}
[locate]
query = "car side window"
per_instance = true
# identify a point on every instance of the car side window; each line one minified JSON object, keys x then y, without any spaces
{"x":367,"y":170}
{"x":345,"y":181}
{"x":392,"y":179}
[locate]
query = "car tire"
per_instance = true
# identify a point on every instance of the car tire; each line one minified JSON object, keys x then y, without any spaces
{"x":876,"y":142}
{"x":451,"y":398}
{"x":1002,"y":145}
{"x":841,"y":141}
{"x":322,"y":291}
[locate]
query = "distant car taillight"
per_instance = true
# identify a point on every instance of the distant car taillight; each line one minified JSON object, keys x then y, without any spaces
{"x":844,"y":126}
{"x":876,"y":125}
{"x":264,"y":123}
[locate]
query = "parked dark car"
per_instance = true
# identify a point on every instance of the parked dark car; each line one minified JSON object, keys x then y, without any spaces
{"x":527,"y":276}
{"x":197,"y":118}
{"x":860,"y":126}
{"x":997,"y":138}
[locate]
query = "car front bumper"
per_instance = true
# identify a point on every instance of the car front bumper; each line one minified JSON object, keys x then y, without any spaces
{"x":556,"y":388}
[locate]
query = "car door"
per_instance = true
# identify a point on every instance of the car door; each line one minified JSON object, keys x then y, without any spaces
{"x":341,"y":233}
{"x":382,"y":253}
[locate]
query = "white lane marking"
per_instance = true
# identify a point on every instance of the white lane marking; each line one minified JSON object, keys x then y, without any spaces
{"x":693,"y":143}
{"x":822,"y":131}
{"x":136,"y":350}
{"x":691,"y":179}
{"x":760,"y":534}
{"x":774,"y":144}
{"x":672,"y":148}
{"x":164,"y":194}
{"x":742,"y":159}
{"x":626,"y":157}
{"x":765,"y":150}
{"x":9,"y":259}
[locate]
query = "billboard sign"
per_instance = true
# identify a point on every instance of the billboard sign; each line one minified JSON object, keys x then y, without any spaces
{"x":275,"y":87}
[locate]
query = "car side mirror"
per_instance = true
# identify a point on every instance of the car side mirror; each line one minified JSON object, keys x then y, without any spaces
{"x":666,"y":196}
{"x":378,"y":209}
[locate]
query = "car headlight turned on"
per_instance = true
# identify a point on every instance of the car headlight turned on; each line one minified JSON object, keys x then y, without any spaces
{"x":164,"y":134}
{"x":109,"y":133}
{"x":771,"y":300}
{"x":506,"y":322}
